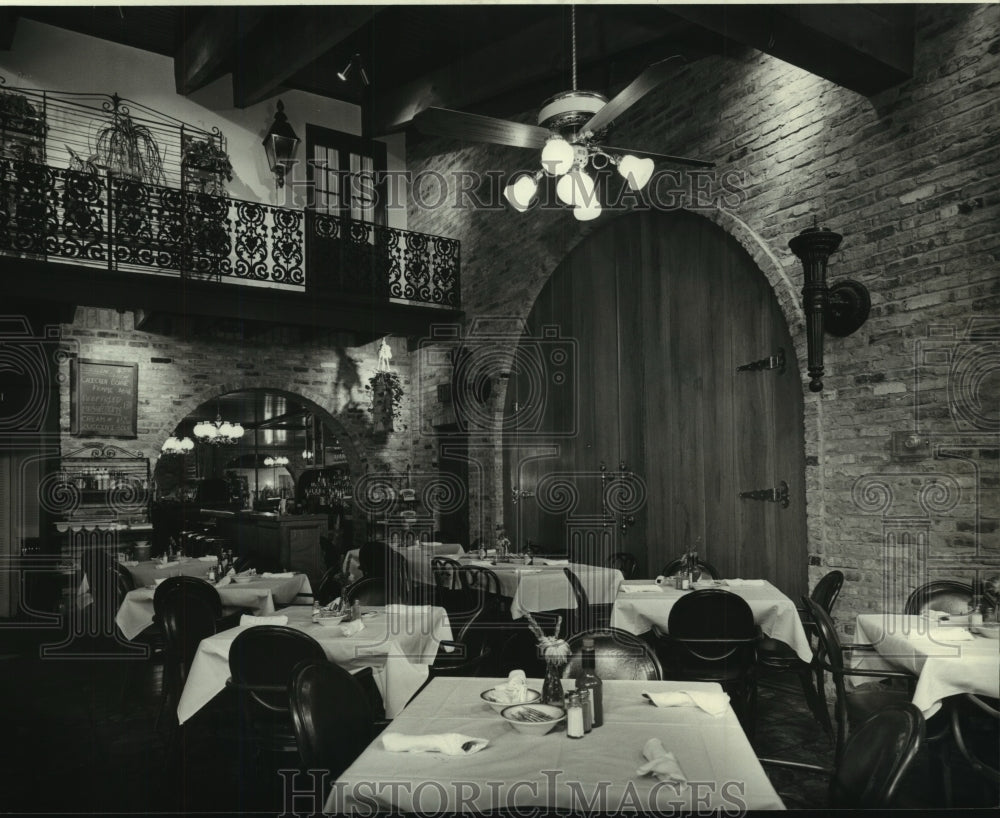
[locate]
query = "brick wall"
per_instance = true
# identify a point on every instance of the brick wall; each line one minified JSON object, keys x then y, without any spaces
{"x":180,"y":371}
{"x":909,"y":177}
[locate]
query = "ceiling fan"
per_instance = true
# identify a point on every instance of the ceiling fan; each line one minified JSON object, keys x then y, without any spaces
{"x":571,"y":130}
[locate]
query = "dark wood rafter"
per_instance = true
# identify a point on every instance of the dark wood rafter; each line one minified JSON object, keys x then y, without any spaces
{"x":269,"y":54}
{"x":490,"y":72}
{"x":8,"y":27}
{"x":863,"y":47}
{"x":205,"y":52}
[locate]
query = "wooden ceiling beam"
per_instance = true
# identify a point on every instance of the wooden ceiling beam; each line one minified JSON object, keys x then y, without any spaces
{"x":865,"y":48}
{"x":268,"y":55}
{"x":205,"y":52}
{"x":498,"y":69}
{"x":8,"y":27}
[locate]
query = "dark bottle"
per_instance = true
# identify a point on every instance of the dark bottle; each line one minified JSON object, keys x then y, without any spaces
{"x":589,"y":680}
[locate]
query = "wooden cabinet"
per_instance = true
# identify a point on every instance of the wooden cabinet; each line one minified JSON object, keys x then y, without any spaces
{"x":104,"y":484}
{"x":289,"y":542}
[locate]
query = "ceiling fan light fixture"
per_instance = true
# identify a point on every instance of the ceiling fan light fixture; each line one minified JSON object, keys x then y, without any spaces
{"x":521,"y":192}
{"x":576,"y":189}
{"x":558,"y":156}
{"x":636,"y":171}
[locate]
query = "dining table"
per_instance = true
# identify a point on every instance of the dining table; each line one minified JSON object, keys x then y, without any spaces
{"x":398,"y":642}
{"x":642,"y":605}
{"x":418,"y":559}
{"x":948,"y":657}
{"x":146,"y":572}
{"x":542,"y":585}
{"x":528,"y":773}
{"x":258,"y":594}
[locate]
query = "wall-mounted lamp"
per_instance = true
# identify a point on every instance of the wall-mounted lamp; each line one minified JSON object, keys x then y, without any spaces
{"x":280,"y":144}
{"x":354,"y":63}
{"x":839,"y":310}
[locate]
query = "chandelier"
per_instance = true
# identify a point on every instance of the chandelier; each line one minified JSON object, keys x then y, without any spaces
{"x":280,"y":460}
{"x":218,"y":432}
{"x":173,"y":445}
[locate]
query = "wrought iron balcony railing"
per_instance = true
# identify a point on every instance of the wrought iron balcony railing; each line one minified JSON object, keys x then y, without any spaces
{"x":98,"y":220}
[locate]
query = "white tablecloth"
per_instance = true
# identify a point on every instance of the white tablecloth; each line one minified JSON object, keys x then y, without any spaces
{"x":774,"y":612}
{"x":418,"y":559}
{"x":594,"y":774}
{"x":945,"y":668}
{"x":258,"y":596}
{"x":148,"y":571}
{"x":398,"y":642}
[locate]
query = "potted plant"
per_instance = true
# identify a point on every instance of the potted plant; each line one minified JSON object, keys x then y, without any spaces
{"x":18,"y":114}
{"x":387,"y":400}
{"x":207,"y":155}
{"x":128,"y":149}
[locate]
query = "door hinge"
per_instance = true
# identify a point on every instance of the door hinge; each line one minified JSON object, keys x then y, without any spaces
{"x":778,"y":494}
{"x":776,"y":361}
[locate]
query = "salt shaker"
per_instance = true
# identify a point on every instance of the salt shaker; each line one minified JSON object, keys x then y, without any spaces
{"x":574,"y":716}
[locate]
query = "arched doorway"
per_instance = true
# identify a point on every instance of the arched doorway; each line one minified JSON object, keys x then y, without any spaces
{"x":292,"y":454}
{"x":651,"y":436}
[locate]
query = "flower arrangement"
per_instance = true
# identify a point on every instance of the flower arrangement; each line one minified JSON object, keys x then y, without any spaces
{"x":556,"y":653}
{"x":208,"y":155}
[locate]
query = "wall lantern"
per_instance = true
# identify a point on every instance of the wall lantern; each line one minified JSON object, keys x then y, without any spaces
{"x":839,"y":310}
{"x":280,"y":144}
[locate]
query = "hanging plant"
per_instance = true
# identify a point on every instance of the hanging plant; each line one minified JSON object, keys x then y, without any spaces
{"x":387,"y":399}
{"x":205,"y":154}
{"x":18,"y":114}
{"x":129,"y":150}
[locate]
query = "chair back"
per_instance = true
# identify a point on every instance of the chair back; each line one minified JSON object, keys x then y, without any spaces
{"x":445,"y":572}
{"x":125,"y":581}
{"x":106,"y":587}
{"x":674,"y":567}
{"x":876,"y":757}
{"x":330,"y":586}
{"x":189,"y":586}
{"x":378,"y":561}
{"x":582,"y":617}
{"x":331,"y":715}
{"x":940,"y":595}
{"x":624,"y":562}
{"x":975,"y":728}
{"x":186,"y":619}
{"x":618,"y":654}
{"x":712,"y":625}
{"x":261,"y":660}
{"x":367,"y":591}
{"x":827,"y":590}
{"x":481,"y":587}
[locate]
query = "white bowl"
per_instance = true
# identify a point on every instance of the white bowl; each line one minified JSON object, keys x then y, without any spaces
{"x":490,"y":697}
{"x":514,"y":715}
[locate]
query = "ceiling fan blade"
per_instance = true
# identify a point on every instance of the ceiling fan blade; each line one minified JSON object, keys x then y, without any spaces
{"x":679,"y":160}
{"x":654,"y":75}
{"x":461,"y":125}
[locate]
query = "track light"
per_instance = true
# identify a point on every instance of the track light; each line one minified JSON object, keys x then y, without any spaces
{"x":354,"y":61}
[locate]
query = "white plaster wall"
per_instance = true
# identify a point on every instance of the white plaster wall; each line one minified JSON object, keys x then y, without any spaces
{"x":48,"y":58}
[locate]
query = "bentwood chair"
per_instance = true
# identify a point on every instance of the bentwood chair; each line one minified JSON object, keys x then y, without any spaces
{"x":331,"y":716}
{"x":367,"y":591}
{"x":943,"y":595}
{"x":377,"y":560}
{"x":624,"y":562}
{"x":330,"y":586}
{"x":618,"y":654}
{"x":674,"y":567}
{"x":875,"y":759}
{"x":776,"y":656}
{"x":712,"y":637}
{"x":855,"y":706}
{"x":261,"y":661}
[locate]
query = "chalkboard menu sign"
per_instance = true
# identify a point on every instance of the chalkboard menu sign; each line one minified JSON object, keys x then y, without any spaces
{"x":104,"y":398}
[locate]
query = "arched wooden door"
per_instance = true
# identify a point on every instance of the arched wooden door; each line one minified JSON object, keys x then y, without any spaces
{"x":659,"y":310}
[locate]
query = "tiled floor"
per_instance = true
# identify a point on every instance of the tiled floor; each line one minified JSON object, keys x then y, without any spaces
{"x":75,"y":743}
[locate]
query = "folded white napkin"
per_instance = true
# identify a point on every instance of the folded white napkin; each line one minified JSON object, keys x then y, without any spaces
{"x":951,"y":619}
{"x":131,"y":563}
{"x":159,"y":580}
{"x":209,"y":558}
{"x":279,"y":574}
{"x":735,"y":583}
{"x":247,"y":620}
{"x":485,"y":563}
{"x":529,"y":570}
{"x":661,"y":764}
{"x":336,"y":605}
{"x":450,"y":744}
{"x":714,"y":702}
{"x":351,"y":628}
{"x":662,"y":580}
{"x":950,"y":635}
{"x":166,"y":564}
{"x":627,"y":588}
{"x":546,"y":561}
{"x":226,"y":580}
